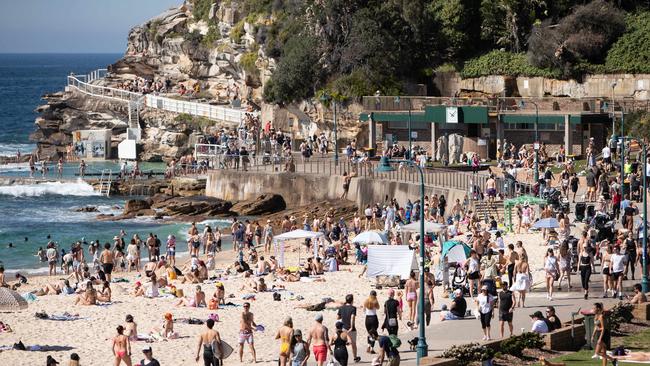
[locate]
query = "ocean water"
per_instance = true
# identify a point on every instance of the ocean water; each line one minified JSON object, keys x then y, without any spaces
{"x":31,"y":212}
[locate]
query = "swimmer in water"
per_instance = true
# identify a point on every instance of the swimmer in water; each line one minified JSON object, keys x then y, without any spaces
{"x":11,"y":245}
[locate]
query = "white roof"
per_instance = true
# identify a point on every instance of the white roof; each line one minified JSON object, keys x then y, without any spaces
{"x":298,"y":234}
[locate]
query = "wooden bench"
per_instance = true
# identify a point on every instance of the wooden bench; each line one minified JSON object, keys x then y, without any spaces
{"x":642,"y":311}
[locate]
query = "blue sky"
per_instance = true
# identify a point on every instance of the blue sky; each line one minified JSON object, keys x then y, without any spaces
{"x":73,"y":26}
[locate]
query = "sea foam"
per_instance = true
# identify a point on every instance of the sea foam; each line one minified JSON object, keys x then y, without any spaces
{"x":78,"y":188}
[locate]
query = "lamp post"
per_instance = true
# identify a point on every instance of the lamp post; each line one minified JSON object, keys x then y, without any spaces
{"x":384,"y":166}
{"x":644,"y":281}
{"x":397,"y":100}
{"x":325,"y":98}
{"x":622,"y":151}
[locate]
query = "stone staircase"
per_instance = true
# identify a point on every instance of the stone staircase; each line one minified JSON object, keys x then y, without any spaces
{"x":484,"y":210}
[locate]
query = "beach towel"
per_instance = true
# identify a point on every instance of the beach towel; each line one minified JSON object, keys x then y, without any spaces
{"x":104,"y":304}
{"x":118,"y":280}
{"x":29,"y":297}
{"x":229,"y":304}
{"x":248,"y":297}
{"x":64,"y":317}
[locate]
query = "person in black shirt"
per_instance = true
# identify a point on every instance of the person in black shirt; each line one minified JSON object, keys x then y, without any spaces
{"x":552,"y":320}
{"x":458,"y":307}
{"x":391,"y":309}
{"x":347,"y":314}
{"x":506,"y":308}
{"x":148,"y":358}
{"x":575,"y":182}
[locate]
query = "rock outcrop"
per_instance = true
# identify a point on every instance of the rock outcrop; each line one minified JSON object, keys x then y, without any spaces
{"x":262,"y":205}
{"x":192,"y":206}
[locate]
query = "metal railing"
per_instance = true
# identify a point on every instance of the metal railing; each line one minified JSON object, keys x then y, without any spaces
{"x":83,"y":84}
{"x":214,"y":157}
{"x":196,"y":109}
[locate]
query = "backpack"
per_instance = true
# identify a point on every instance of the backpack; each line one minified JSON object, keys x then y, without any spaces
{"x":394,"y":341}
{"x":276,"y":296}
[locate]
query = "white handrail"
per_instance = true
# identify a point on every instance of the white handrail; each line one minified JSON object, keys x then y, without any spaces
{"x":214,"y":112}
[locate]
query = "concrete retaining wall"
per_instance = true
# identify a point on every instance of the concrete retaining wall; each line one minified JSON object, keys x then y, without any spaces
{"x":302,"y":189}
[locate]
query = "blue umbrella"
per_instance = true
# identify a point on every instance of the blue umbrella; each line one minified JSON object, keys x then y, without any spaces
{"x":548,"y":223}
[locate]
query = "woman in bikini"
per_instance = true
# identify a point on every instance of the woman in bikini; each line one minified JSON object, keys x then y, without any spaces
{"x":411,"y":288}
{"x":606,"y":257}
{"x":121,"y":347}
{"x":285,"y":335}
{"x":105,"y":294}
{"x":131,"y":328}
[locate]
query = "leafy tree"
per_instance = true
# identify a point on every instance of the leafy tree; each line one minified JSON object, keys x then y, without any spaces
{"x":459,"y":21}
{"x":584,"y":35}
{"x":297,"y":71}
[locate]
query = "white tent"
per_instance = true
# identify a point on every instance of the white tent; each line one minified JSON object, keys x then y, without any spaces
{"x":391,"y":260}
{"x":278,"y":242}
{"x":429,"y":227}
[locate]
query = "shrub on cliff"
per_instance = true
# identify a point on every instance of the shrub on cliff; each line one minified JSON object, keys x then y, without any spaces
{"x":631,"y":53}
{"x":504,"y":63}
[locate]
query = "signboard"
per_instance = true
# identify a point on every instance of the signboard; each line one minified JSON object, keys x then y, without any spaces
{"x":481,"y":142}
{"x":536,"y":146}
{"x":414,"y":134}
{"x":452,"y":114}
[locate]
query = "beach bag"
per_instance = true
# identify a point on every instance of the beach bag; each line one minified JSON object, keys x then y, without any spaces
{"x":179,"y":292}
{"x":332,"y":362}
{"x":277,"y":296}
{"x":172,"y":275}
{"x":214,"y":317}
{"x":394,"y":341}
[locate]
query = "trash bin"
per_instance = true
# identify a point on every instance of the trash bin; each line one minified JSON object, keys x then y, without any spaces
{"x":589,"y":327}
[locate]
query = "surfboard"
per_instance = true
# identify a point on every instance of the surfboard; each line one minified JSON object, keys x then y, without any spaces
{"x":227,"y":350}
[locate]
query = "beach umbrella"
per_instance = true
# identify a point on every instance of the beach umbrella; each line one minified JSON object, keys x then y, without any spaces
{"x":10,"y":300}
{"x":455,"y":251}
{"x":368,"y":237}
{"x":548,"y":223}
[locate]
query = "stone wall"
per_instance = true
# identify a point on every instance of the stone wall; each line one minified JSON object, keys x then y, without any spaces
{"x":302,"y":189}
{"x":634,"y":86}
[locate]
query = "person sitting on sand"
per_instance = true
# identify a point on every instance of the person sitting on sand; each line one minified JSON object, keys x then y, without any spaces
{"x":168,"y":327}
{"x":138,"y":290}
{"x":61,"y":286}
{"x":3,"y":283}
{"x":105,"y":294}
{"x":88,"y":297}
{"x":262,"y":267}
{"x":152,"y":289}
{"x":253,"y":286}
{"x":149,"y":268}
{"x":20,"y":280}
{"x":220,"y":294}
{"x":196,"y":301}
{"x":131,"y":329}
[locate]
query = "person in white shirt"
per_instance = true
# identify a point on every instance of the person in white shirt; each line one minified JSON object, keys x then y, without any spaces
{"x":485,"y":303}
{"x":539,"y":325}
{"x":607,"y":156}
{"x":616,"y":269}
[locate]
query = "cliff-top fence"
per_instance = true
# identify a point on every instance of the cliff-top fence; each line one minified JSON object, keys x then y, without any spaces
{"x":85,"y":85}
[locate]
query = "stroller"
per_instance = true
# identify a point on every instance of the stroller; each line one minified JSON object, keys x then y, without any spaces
{"x":572,"y":243}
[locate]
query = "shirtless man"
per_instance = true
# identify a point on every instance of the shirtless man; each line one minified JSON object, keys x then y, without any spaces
{"x":411,"y":289}
{"x":121,"y":347}
{"x":512,"y":257}
{"x":491,"y":189}
{"x":246,"y":326}
{"x":319,"y":339}
{"x":106,"y":259}
{"x":3,"y":282}
{"x":210,"y":340}
{"x":151,"y":246}
{"x":262,"y":267}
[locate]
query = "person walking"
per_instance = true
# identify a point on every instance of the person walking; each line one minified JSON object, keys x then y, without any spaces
{"x":148,"y":359}
{"x":600,"y":337}
{"x":586,"y":266}
{"x":370,"y":307}
{"x":285,"y":335}
{"x":340,"y":343}
{"x":299,"y":349}
{"x":347,"y":314}
{"x":246,"y":326}
{"x":617,"y":268}
{"x":485,"y":303}
{"x":121,"y":347}
{"x":565,"y":267}
{"x":506,"y":308}
{"x":212,"y":348}
{"x":319,"y":340}
{"x":392,"y":311}
{"x":522,"y":279}
{"x":552,"y":269}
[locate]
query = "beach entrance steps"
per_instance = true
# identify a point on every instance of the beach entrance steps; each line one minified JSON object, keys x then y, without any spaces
{"x":105,"y":182}
{"x":484,"y":210}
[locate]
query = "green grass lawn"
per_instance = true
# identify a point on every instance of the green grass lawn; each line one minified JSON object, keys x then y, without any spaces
{"x":635,"y":342}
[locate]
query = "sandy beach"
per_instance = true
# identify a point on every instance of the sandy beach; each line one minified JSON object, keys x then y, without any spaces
{"x":92,"y":335}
